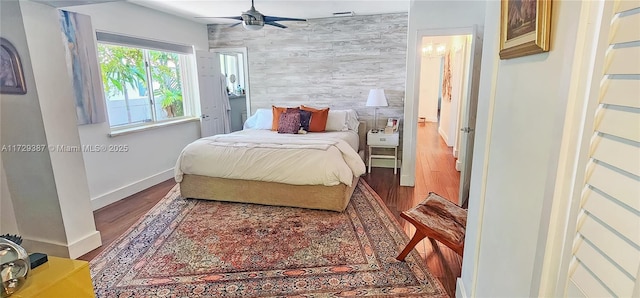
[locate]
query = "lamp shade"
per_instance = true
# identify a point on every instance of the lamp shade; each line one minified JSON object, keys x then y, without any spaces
{"x":377,"y":98}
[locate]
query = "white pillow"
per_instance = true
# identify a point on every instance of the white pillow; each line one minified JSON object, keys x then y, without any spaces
{"x":342,"y":120}
{"x":264,"y":119}
{"x":250,"y":123}
{"x":352,"y":120}
{"x":337,"y":120}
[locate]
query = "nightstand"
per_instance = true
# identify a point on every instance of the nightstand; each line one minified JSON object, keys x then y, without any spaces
{"x":383,"y":140}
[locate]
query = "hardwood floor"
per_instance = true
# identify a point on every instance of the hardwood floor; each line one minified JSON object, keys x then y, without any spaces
{"x":435,"y":171}
{"x":113,"y":220}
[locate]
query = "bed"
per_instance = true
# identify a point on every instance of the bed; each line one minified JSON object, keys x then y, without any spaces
{"x":258,"y":165}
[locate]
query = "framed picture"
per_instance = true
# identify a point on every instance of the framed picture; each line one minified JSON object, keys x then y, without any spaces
{"x":525,"y":26}
{"x":11,"y":76}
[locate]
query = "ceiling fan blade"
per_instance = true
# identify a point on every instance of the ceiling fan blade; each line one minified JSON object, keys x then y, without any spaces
{"x":275,"y":24}
{"x":277,"y":19}
{"x":236,"y":24}
{"x":239,"y":18}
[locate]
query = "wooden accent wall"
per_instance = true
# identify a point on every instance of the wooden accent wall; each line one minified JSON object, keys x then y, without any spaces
{"x":325,"y":62}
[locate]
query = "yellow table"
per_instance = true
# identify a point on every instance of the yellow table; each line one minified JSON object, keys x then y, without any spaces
{"x":58,"y":277}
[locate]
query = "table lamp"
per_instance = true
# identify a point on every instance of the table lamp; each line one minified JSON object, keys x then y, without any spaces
{"x":376,"y":99}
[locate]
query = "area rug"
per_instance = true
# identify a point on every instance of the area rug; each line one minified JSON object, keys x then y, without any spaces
{"x":201,"y":248}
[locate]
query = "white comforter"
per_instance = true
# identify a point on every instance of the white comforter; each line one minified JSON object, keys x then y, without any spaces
{"x":268,"y":156}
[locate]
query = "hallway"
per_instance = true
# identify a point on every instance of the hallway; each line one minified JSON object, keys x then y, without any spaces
{"x":435,"y":164}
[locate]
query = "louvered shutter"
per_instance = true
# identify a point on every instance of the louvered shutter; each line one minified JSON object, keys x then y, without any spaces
{"x":606,"y":249}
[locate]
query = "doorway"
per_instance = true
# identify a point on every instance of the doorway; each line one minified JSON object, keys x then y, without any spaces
{"x":446,"y":107}
{"x":234,"y":66}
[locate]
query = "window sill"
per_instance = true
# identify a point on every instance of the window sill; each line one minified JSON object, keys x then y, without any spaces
{"x":129,"y":130}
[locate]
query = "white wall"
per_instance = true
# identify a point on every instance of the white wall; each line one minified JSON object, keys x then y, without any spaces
{"x":22,"y":124}
{"x":428,"y":15}
{"x":429,"y":88}
{"x":8,"y":224}
{"x":522,"y":114}
{"x":152,"y":153}
{"x":48,"y":190}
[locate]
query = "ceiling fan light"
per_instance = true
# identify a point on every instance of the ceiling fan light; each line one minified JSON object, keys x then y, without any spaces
{"x":251,"y":27}
{"x":253,"y":23}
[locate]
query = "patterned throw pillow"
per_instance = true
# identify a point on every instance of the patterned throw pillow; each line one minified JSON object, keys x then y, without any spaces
{"x":277,"y":111}
{"x":305,"y":119}
{"x":289,"y":121}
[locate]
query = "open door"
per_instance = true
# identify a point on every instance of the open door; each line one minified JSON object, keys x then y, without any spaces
{"x":211,"y":105}
{"x":234,"y":65}
{"x":468,"y":117}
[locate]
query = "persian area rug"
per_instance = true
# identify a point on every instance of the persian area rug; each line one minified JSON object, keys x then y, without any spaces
{"x":200,"y":248}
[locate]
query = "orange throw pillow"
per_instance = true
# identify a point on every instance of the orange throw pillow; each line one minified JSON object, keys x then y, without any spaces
{"x":277,"y":111}
{"x":318,"y":118}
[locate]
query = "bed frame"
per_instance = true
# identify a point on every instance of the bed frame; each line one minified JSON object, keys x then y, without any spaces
{"x":322,"y":197}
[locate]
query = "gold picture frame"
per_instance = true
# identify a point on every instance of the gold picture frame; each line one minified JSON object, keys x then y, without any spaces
{"x":525,"y":26}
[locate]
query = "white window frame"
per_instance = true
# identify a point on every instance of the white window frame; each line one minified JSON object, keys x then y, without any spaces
{"x":188,"y":73}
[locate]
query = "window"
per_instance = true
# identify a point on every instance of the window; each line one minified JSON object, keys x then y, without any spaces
{"x":141,"y":85}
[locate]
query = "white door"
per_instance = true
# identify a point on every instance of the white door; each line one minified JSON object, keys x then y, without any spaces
{"x":469,"y":110}
{"x":211,"y":118}
{"x":603,"y":233}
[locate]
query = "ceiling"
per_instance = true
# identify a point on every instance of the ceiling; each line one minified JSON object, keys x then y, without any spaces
{"x":306,"y":9}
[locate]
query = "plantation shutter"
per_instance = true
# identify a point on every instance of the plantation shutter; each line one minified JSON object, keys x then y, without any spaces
{"x":606,"y":249}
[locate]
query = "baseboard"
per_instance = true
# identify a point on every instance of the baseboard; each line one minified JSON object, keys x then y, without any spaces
{"x":458,"y":165}
{"x":455,"y":152}
{"x":461,"y":292}
{"x":443,"y":135}
{"x":431,"y":119}
{"x":85,"y":245}
{"x":56,"y":249}
{"x":47,"y":247}
{"x":407,"y":180}
{"x":125,"y":191}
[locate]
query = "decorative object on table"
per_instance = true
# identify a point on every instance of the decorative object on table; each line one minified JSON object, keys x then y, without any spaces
{"x":36,"y":259}
{"x":525,"y":26}
{"x":238,"y":250}
{"x":78,"y":36}
{"x":13,"y":238}
{"x":392,"y":125}
{"x":14,"y":265}
{"x":11,"y":75}
{"x":376,"y":99}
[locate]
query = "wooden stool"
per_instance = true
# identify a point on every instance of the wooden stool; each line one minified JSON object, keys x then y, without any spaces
{"x":439,"y":219}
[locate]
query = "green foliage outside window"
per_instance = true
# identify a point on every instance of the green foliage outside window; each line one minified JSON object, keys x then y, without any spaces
{"x":124,"y":67}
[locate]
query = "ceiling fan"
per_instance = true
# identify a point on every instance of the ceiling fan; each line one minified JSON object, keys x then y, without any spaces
{"x":254,"y":20}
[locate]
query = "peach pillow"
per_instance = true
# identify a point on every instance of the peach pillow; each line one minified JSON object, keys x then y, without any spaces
{"x":318,"y":118}
{"x":277,"y":111}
